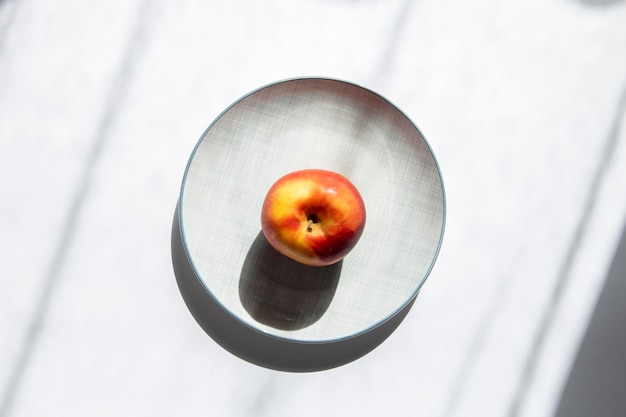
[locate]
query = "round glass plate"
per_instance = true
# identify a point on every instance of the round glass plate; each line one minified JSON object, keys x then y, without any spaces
{"x":293,"y":125}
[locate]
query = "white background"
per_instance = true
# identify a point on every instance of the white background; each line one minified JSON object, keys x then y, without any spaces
{"x":101,"y":104}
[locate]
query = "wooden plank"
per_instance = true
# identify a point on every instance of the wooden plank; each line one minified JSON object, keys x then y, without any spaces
{"x":518,"y":103}
{"x":58,"y":61}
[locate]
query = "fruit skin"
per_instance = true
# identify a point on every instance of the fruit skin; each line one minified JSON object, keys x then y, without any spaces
{"x":313,"y":216}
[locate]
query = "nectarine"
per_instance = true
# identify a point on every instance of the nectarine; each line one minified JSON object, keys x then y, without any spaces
{"x":313,"y":216}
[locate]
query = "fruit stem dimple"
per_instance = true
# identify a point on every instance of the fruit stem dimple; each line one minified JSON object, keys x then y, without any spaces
{"x":312,"y":218}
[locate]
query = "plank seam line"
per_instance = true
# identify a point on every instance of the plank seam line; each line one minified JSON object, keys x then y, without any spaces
{"x":50,"y":283}
{"x":547,"y":321}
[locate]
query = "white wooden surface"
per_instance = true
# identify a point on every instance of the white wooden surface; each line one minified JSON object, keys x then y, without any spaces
{"x":101,"y":104}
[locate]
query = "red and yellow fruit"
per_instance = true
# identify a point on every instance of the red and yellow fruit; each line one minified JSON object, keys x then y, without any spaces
{"x":313,"y":216}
